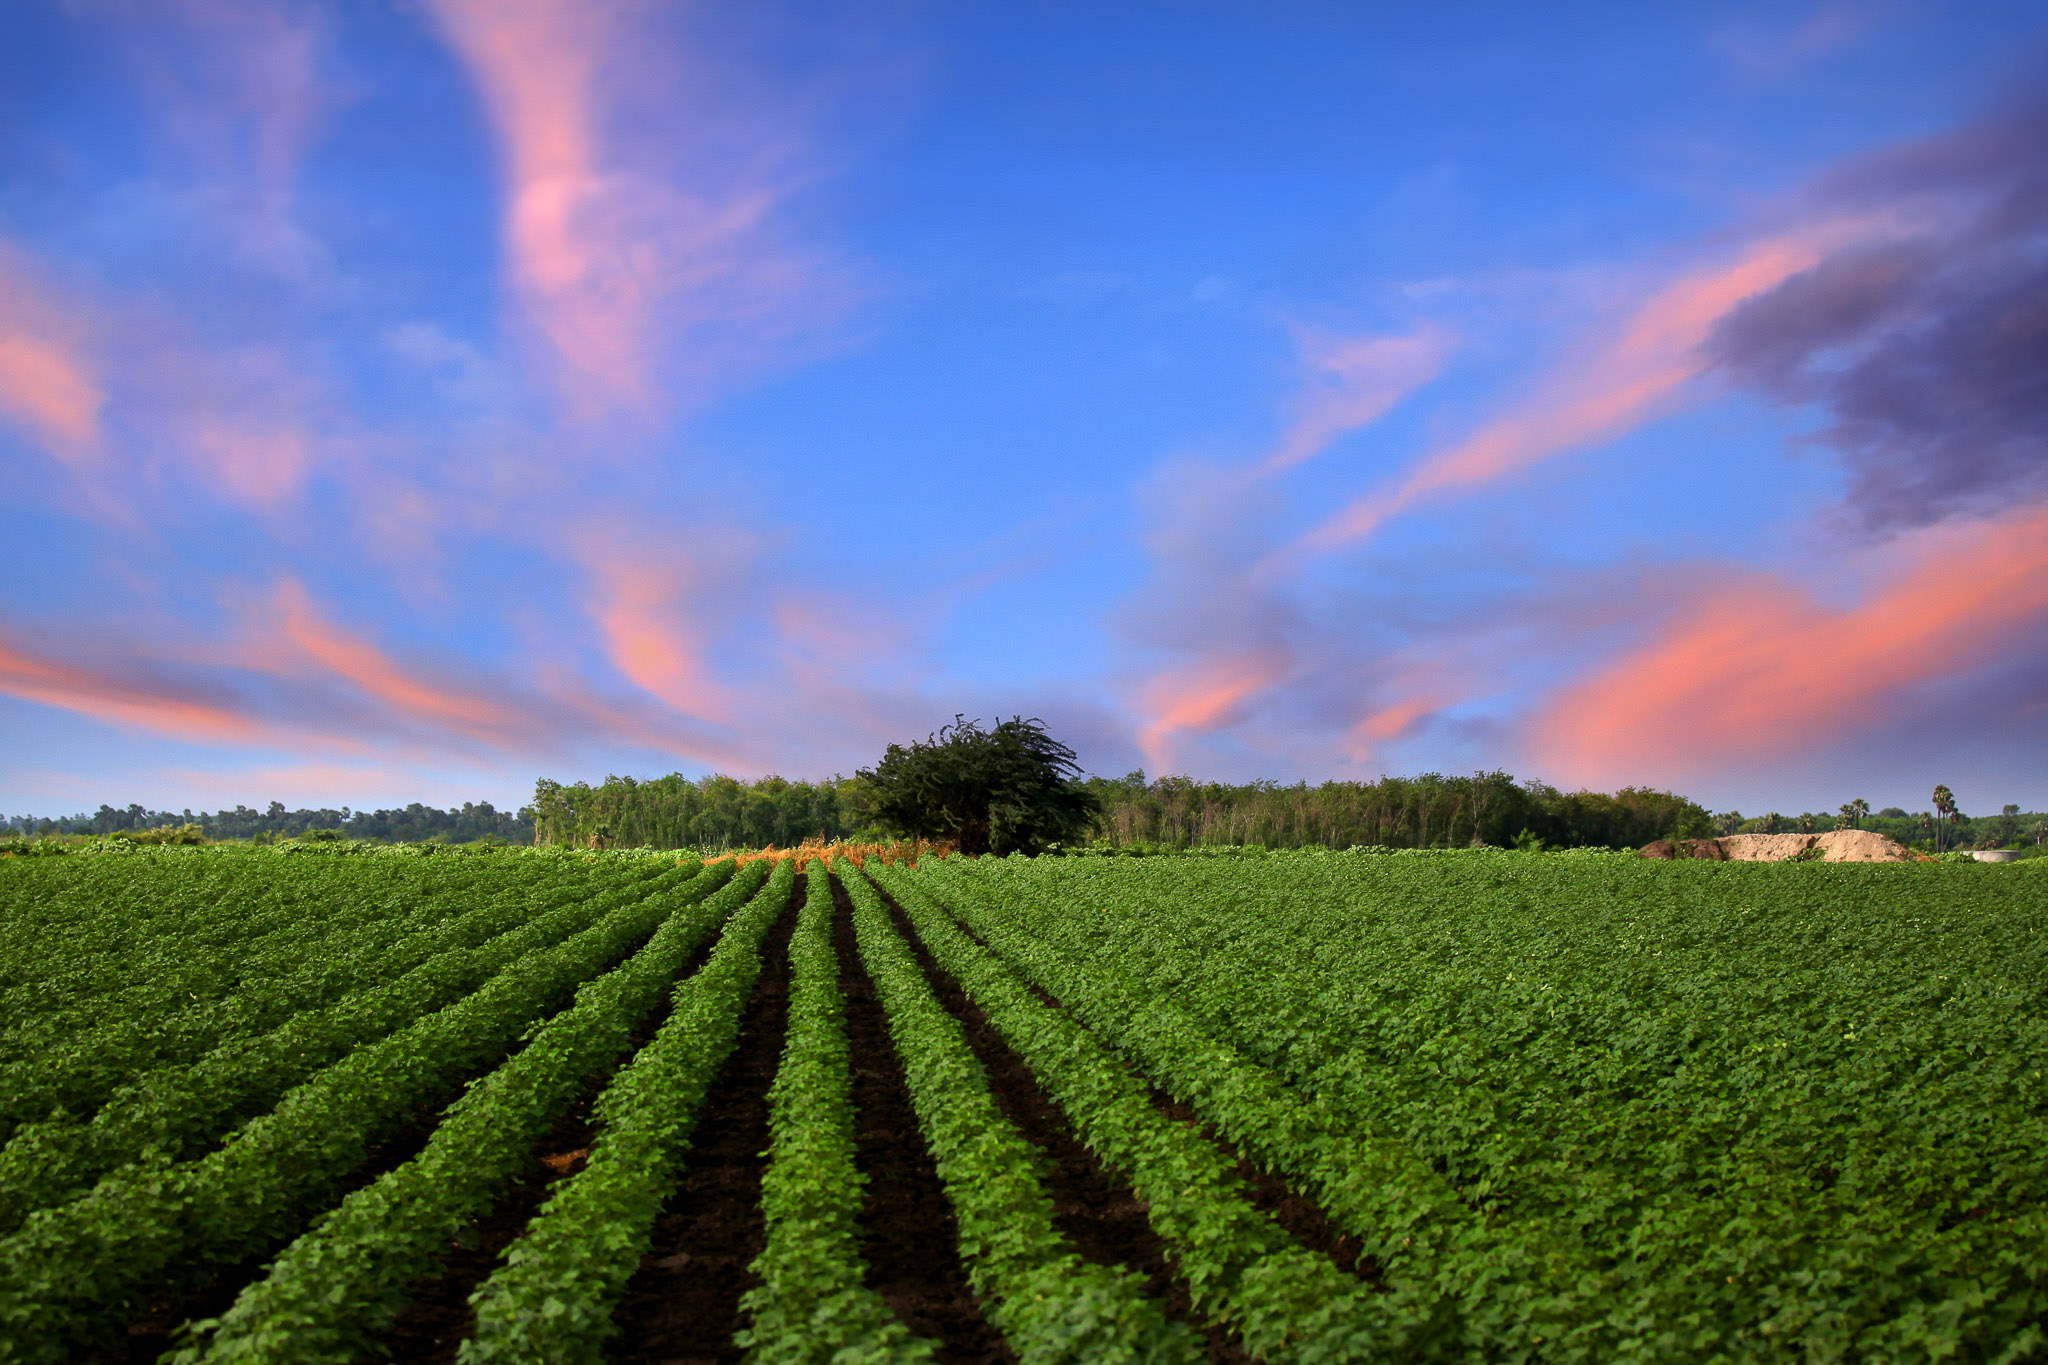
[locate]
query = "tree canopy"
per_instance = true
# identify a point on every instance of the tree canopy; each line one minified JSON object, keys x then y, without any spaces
{"x":1010,"y":789}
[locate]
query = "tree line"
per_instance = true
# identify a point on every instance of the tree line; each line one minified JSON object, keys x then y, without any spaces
{"x":1432,"y":810}
{"x":415,"y":823}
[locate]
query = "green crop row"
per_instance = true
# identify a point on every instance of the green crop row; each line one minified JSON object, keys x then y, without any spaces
{"x":1698,"y":1111}
{"x":330,"y":1291}
{"x":175,"y":1113}
{"x":811,"y":1307}
{"x":1376,"y":1191}
{"x":185,"y":994}
{"x":1243,"y":1270}
{"x":551,"y":1301}
{"x":159,"y":946}
{"x":1049,"y":1304}
{"x":72,"y":1273}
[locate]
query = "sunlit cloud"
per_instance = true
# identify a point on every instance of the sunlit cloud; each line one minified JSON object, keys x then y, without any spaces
{"x":630,"y":226}
{"x":1636,"y":375}
{"x":1760,"y":669}
{"x":128,"y":697}
{"x":48,"y":383}
{"x":1353,"y":382}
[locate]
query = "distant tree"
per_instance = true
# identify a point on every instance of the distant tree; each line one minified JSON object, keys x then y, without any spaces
{"x":1893,"y":813}
{"x":1806,"y":822}
{"x":2008,"y":824}
{"x":1927,"y":828}
{"x":1011,"y":789}
{"x":1772,"y":822}
{"x":1945,"y":809}
{"x":1728,"y":821}
{"x":2040,"y":832}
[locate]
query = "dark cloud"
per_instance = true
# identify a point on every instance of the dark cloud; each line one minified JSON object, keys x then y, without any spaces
{"x":1930,"y":350}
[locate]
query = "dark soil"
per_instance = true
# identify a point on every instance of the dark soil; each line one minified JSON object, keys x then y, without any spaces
{"x":1092,"y":1205}
{"x":434,"y":1324}
{"x":910,"y":1238}
{"x":683,"y":1305}
{"x":1302,"y":1217}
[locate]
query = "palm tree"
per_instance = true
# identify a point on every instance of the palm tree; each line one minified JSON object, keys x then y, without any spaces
{"x":1846,"y":817}
{"x":2040,"y":831}
{"x":1945,"y":807}
{"x":1806,"y":822}
{"x":1860,"y":809}
{"x":1771,"y":822}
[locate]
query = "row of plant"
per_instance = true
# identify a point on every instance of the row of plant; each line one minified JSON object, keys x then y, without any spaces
{"x":74,"y":1272}
{"x":1375,"y":1191}
{"x":176,"y":1113}
{"x":1242,"y":1269}
{"x":259,"y":955}
{"x":552,"y":1297}
{"x":327,"y":1294}
{"x":171,"y":947}
{"x":1700,"y":1110}
{"x":812,"y":1307}
{"x":1049,"y":1303}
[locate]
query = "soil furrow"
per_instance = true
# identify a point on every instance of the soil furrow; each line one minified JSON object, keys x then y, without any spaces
{"x":434,"y":1324}
{"x":910,"y":1238}
{"x":1093,"y":1205}
{"x":683,"y":1305}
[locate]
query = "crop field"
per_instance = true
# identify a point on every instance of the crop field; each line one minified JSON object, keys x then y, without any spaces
{"x":302,"y":1105}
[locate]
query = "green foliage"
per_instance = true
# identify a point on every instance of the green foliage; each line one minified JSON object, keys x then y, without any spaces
{"x":1244,"y":1271}
{"x":72,"y":1273}
{"x":1006,"y":790}
{"x":812,"y":1306}
{"x":552,"y":1297}
{"x":1051,"y":1305}
{"x":712,"y":814}
{"x":1687,"y":1111}
{"x":1427,"y":811}
{"x":177,"y":1108}
{"x":328,"y":1294}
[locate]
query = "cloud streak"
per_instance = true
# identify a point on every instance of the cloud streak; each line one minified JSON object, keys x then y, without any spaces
{"x":1760,"y":669}
{"x":1929,"y":350}
{"x":631,"y":226}
{"x":49,"y":385}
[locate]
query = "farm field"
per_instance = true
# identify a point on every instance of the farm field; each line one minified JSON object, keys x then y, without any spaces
{"x":307,"y":1105}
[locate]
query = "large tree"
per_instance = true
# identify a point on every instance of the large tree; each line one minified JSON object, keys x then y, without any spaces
{"x":1006,"y":790}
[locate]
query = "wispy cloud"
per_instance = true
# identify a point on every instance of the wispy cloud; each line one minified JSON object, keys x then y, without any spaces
{"x":49,"y":384}
{"x":1759,"y":669}
{"x":1639,"y":372}
{"x":1353,"y":381}
{"x":1929,"y":348}
{"x":126,"y":695}
{"x":635,"y":220}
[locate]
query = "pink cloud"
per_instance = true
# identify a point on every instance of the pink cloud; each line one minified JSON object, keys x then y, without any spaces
{"x":48,"y":384}
{"x":1761,"y":669}
{"x":622,"y":240}
{"x":1202,"y":697}
{"x":1637,"y":375}
{"x":132,"y":699}
{"x":1353,"y":382}
{"x":652,"y":628}
{"x":439,"y":706}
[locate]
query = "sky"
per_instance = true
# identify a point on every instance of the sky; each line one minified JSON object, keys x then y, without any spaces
{"x":404,"y":399}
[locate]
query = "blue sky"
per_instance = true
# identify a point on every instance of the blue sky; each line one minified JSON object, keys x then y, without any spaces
{"x":400,"y":401}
